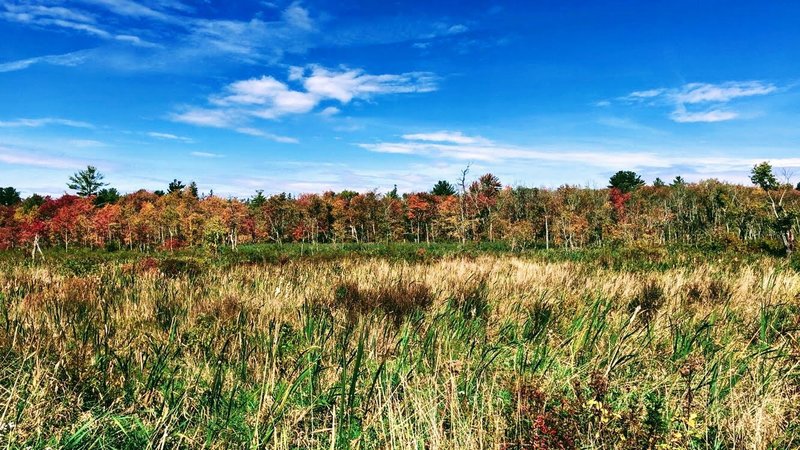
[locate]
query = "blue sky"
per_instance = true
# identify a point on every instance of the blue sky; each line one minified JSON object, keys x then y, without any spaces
{"x":316,"y":95}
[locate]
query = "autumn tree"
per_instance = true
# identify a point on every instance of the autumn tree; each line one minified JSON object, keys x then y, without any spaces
{"x":421,"y":209}
{"x":280,"y":215}
{"x":483,"y":193}
{"x":86,"y":182}
{"x":70,"y":218}
{"x":106,"y":225}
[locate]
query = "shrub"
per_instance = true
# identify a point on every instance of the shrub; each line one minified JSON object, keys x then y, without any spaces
{"x":398,"y":300}
{"x":174,"y":268}
{"x":471,"y":300}
{"x":401,"y":300}
{"x":715,"y":291}
{"x":650,"y":299}
{"x":82,"y":265}
{"x":168,"y":309}
{"x":794,"y":262}
{"x":147,"y":265}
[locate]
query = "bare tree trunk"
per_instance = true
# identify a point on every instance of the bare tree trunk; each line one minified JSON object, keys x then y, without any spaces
{"x":463,"y":184}
{"x":546,"y":234}
{"x":35,"y":247}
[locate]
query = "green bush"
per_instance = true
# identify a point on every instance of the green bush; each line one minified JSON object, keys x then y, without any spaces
{"x":82,"y":265}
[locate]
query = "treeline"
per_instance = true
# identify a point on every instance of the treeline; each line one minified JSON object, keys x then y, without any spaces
{"x":627,"y":212}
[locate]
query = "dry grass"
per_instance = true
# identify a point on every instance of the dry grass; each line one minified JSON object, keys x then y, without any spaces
{"x":486,"y":352}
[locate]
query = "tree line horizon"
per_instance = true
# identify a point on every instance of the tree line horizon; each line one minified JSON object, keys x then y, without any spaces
{"x":627,"y":211}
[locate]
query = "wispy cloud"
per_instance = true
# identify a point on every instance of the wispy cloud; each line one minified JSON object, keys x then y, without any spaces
{"x":445,"y":136}
{"x":25,"y":157}
{"x":204,"y":117}
{"x":86,"y":143}
{"x":702,"y":102}
{"x":76,"y":19}
{"x":169,"y":137}
{"x":681,"y":115}
{"x":693,"y":93}
{"x":270,"y":136}
{"x":161,"y":35}
{"x":41,"y":122}
{"x":207,"y":155}
{"x":66,"y":59}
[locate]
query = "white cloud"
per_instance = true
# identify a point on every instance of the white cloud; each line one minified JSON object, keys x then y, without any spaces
{"x":681,"y":115}
{"x":711,"y":95}
{"x":456,"y":146}
{"x":272,"y":137}
{"x":445,"y":136}
{"x":330,"y":111}
{"x":185,"y":38}
{"x":66,"y":59}
{"x":693,"y":93}
{"x":272,"y":98}
{"x":169,"y":136}
{"x":207,"y":155}
{"x":346,"y":84}
{"x":204,"y":117}
{"x":297,"y":16}
{"x":128,"y":8}
{"x":86,"y":143}
{"x":268,"y":98}
{"x":29,"y":158}
{"x":457,"y":29}
{"x":647,"y":94}
{"x":36,"y":123}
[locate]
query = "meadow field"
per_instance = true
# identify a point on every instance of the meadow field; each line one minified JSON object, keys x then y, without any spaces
{"x":404,"y":348}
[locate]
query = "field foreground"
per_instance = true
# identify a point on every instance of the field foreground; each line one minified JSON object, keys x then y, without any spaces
{"x":467,"y":352}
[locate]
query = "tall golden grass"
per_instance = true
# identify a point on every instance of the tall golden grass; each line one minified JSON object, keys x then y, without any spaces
{"x":486,"y":352}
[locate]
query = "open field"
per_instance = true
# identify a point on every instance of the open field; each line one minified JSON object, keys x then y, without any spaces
{"x":470,"y":350}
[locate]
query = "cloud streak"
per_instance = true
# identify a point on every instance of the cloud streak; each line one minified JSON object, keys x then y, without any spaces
{"x":169,"y":137}
{"x":207,"y":155}
{"x":67,"y":59}
{"x":28,"y":158}
{"x":45,"y":121}
{"x":456,"y":146}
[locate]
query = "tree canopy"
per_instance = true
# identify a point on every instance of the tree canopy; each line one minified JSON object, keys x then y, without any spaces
{"x":86,"y":182}
{"x":175,"y":185}
{"x":9,"y":196}
{"x":761,"y":175}
{"x":443,"y":188}
{"x":626,"y":181}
